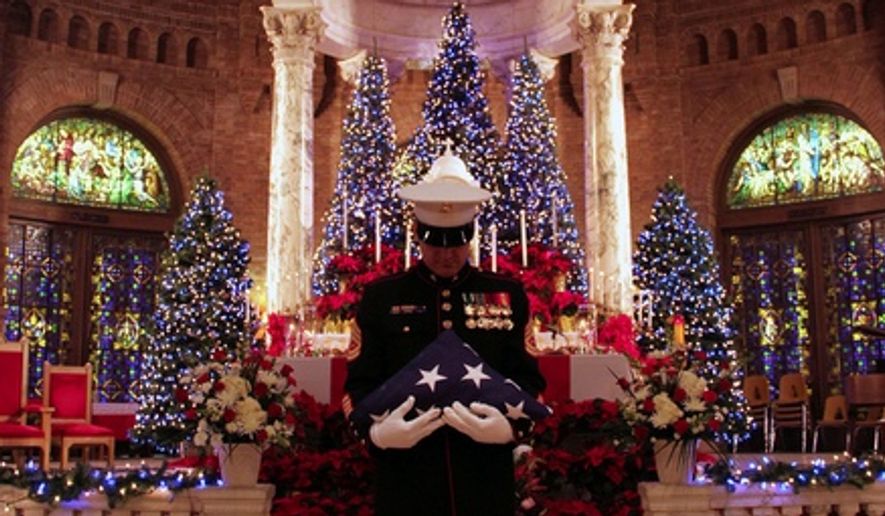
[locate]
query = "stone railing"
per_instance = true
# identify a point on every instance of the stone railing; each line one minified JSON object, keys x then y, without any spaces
{"x":708,"y":500}
{"x":209,"y":501}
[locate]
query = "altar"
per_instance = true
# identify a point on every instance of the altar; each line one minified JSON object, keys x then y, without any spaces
{"x":575,"y":377}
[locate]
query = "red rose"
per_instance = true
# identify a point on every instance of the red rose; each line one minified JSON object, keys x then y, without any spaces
{"x":260,"y":389}
{"x":700,"y":356}
{"x":724,"y":385}
{"x":203,"y":378}
{"x":286,"y":370}
{"x":681,"y":426}
{"x":180,"y":395}
{"x":275,"y":410}
{"x":640,"y":432}
{"x":219,"y":355}
{"x":261,"y":435}
{"x":291,"y":381}
{"x":710,"y":396}
{"x":623,"y":383}
{"x":679,"y":394}
{"x":229,"y":415}
{"x":290,"y":419}
{"x":714,"y":424}
{"x":266,"y":364}
{"x":648,"y":405}
{"x":190,"y":414}
{"x":219,"y":386}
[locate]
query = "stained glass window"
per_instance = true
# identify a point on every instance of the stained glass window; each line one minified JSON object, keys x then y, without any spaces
{"x":123,"y":282}
{"x":808,"y":157}
{"x":854,"y":268}
{"x":38,"y":294}
{"x":768,"y":282}
{"x":89,"y":162}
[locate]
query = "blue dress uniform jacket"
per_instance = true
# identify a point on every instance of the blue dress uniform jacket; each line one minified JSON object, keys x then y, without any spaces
{"x":447,"y":473}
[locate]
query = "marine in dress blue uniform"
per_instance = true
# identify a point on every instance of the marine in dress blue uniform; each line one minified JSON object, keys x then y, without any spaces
{"x":447,"y":472}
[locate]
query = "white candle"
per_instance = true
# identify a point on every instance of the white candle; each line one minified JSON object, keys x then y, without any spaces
{"x":553,"y":220}
{"x":344,"y":223}
{"x":522,"y":239}
{"x":476,"y":242}
{"x":378,"y":235}
{"x":602,"y":289}
{"x":494,"y":248}
{"x":408,"y":247}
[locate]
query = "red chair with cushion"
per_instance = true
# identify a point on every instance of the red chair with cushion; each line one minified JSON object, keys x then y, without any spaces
{"x":68,"y":390}
{"x":14,"y":431}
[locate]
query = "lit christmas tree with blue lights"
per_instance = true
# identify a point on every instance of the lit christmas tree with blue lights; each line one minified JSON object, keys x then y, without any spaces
{"x":201,"y":306}
{"x":676,"y":262}
{"x":365,"y":183}
{"x":532,"y":178}
{"x":455,"y":110}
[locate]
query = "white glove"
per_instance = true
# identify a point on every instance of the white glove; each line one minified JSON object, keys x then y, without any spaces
{"x":482,"y":423}
{"x":395,"y":432}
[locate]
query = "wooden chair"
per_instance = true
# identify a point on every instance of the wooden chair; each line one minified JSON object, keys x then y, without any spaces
{"x":68,"y":389}
{"x":758,"y":396}
{"x":14,"y":431}
{"x":835,"y":416}
{"x":866,"y":395}
{"x":790,"y":409}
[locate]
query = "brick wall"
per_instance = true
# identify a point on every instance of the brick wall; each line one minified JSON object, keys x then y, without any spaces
{"x":682,"y":117}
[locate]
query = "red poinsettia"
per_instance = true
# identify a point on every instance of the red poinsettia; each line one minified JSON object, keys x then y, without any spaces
{"x":542,"y":278}
{"x":355,"y":271}
{"x":617,"y":334}
{"x":277,"y":327}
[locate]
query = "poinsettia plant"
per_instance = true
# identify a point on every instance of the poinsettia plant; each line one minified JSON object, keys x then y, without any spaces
{"x":544,"y":282}
{"x":355,"y":270}
{"x":230,"y":401}
{"x":617,"y":334}
{"x":672,"y":399}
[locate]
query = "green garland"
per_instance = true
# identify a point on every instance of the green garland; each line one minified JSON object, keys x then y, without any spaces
{"x":855,"y":471}
{"x":62,"y":486}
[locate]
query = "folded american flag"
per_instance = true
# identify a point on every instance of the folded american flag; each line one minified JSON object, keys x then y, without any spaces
{"x":446,"y":371}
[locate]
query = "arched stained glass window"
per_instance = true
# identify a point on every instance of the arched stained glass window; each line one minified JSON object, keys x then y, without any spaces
{"x":808,"y":157}
{"x":89,"y":162}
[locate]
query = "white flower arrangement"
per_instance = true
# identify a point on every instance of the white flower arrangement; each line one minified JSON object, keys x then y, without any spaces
{"x":668,"y":399}
{"x":248,"y":401}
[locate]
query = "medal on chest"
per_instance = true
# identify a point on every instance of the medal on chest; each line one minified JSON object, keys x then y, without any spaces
{"x":487,"y":310}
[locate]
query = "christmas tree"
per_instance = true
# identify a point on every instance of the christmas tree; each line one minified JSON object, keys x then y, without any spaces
{"x":455,"y":110}
{"x":531,"y":177}
{"x":365,"y":185}
{"x":201,"y":306}
{"x":675,"y":261}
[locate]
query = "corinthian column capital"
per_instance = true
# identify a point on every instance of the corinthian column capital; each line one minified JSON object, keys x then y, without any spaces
{"x":602,"y":30}
{"x":293,"y":30}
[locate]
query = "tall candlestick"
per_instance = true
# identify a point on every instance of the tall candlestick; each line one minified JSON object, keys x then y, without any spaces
{"x":344,"y":223}
{"x":494,"y":248}
{"x":377,"y":235}
{"x":408,"y":249}
{"x":553,"y":220}
{"x":476,"y":238}
{"x":522,"y":239}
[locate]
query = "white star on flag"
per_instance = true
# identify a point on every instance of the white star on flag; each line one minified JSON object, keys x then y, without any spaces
{"x":475,"y":374}
{"x":515,"y":411}
{"x":514,"y":384}
{"x":430,"y":378}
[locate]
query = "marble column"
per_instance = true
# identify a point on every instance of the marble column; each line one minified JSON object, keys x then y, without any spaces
{"x":294,"y":33}
{"x":601,"y":31}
